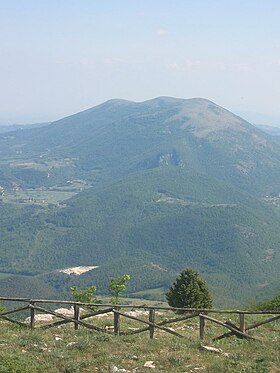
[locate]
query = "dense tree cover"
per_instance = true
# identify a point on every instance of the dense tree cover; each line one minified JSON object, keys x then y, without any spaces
{"x":268,"y":305}
{"x":27,"y":287}
{"x":174,"y":183}
{"x":145,"y":276}
{"x":189,"y":291}
{"x":206,"y":224}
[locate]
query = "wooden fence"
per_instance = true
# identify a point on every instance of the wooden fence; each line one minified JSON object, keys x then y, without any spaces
{"x":182,"y":314}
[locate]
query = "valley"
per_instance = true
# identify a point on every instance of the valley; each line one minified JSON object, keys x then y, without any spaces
{"x":143,"y":188}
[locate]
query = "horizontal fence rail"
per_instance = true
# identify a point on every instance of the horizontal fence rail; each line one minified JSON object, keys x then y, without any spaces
{"x":143,"y":306}
{"x":118,"y":312}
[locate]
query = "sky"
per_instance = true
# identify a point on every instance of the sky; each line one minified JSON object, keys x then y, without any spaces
{"x":59,"y":57}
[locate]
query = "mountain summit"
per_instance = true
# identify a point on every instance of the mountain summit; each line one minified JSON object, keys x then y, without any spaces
{"x":119,"y":137}
{"x":159,"y":184}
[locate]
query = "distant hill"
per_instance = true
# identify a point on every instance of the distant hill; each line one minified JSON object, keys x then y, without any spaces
{"x":273,"y":131}
{"x":149,"y":187}
{"x":14,"y":127}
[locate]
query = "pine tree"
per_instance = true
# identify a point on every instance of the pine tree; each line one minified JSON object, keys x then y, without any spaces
{"x":189,"y":291}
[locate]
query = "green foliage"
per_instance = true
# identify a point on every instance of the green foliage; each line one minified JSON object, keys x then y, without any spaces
{"x":84,"y":295}
{"x":191,"y":198}
{"x":117,"y":286}
{"x":168,"y":217}
{"x":145,"y":276}
{"x":27,"y":287}
{"x":269,"y":305}
{"x":189,"y":291}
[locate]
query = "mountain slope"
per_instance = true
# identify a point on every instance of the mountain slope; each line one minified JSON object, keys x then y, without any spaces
{"x":273,"y":131}
{"x":167,"y":183}
{"x":120,"y":137}
{"x":166,"y":216}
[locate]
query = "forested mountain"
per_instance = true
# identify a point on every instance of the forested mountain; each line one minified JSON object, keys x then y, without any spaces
{"x":150,"y":187}
{"x":121,"y":137}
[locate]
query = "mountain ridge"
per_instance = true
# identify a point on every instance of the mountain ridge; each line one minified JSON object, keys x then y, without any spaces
{"x":174,"y":182}
{"x":144,"y":127}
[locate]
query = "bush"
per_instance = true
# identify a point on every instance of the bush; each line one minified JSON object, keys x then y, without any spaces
{"x":85,"y":295}
{"x":189,"y":291}
{"x":269,"y":305}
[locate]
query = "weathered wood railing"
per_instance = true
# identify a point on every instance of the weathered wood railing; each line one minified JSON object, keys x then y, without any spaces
{"x":151,"y":325}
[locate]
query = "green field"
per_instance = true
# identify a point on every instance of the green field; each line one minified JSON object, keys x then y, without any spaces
{"x":44,"y":164}
{"x":45,"y":196}
{"x":37,"y":197}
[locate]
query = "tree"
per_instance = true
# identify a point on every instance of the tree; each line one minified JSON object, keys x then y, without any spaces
{"x":85,"y":295}
{"x":189,"y":291}
{"x":116,"y":286}
{"x":268,"y":305}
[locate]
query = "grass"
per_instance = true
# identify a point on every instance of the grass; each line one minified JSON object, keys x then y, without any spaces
{"x":65,"y":350}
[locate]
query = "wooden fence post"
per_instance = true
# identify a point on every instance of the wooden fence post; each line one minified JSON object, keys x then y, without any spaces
{"x":116,"y":323}
{"x":76,"y":315}
{"x":152,"y":313}
{"x":242,"y":322}
{"x":201,"y":326}
{"x":32,"y":316}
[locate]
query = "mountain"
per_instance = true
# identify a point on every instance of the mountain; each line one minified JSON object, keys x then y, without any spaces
{"x":157,"y":185}
{"x":273,"y":131}
{"x":14,"y":127}
{"x":120,"y":137}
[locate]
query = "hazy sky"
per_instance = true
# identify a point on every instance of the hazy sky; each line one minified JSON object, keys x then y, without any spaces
{"x":58,"y":57}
